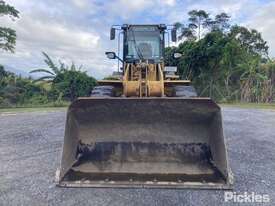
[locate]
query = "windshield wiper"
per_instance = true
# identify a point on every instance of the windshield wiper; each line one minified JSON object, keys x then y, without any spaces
{"x":139,"y":53}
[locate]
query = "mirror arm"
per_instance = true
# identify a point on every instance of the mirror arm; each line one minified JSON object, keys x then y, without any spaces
{"x":119,"y":58}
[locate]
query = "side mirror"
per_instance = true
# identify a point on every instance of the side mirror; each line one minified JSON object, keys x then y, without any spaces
{"x":112,"y":33}
{"x":111,"y":55}
{"x":174,"y":34}
{"x":177,"y":55}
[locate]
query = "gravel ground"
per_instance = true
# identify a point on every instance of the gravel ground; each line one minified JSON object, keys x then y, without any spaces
{"x":30,"y":149}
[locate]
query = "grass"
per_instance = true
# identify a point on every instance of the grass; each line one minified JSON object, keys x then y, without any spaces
{"x":31,"y":109}
{"x":46,"y":108}
{"x":51,"y":106}
{"x":250,"y":105}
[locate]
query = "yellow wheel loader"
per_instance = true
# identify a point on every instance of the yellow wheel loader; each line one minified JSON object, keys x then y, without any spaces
{"x":145,"y":127}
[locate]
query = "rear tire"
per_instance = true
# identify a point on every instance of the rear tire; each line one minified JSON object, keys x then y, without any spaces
{"x":185,"y":91}
{"x":103,"y":91}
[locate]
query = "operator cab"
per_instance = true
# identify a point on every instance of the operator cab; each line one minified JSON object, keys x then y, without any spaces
{"x":143,"y":42}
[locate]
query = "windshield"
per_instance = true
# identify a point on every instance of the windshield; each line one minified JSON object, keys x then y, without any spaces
{"x":143,"y":43}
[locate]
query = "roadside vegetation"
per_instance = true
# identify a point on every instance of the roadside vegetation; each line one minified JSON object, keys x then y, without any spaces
{"x":269,"y":106}
{"x":60,"y":85}
{"x":227,"y":62}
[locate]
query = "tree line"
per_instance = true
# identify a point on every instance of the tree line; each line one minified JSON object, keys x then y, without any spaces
{"x":224,"y":61}
{"x":60,"y":84}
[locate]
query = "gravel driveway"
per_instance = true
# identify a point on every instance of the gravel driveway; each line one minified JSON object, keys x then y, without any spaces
{"x":30,"y":149}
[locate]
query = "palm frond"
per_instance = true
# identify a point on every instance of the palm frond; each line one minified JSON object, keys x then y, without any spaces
{"x":73,"y":67}
{"x":42,"y":70}
{"x":50,"y":63}
{"x":80,"y":68}
{"x":63,"y":66}
{"x":178,"y":25}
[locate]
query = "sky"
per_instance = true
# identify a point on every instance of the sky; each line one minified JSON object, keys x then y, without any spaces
{"x":78,"y":30}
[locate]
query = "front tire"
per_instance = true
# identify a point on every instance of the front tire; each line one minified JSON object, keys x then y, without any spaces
{"x":185,"y":91}
{"x":103,"y":91}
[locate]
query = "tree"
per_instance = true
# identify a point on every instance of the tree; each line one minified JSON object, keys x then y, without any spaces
{"x":200,"y":22}
{"x":50,"y":73}
{"x":198,"y":19}
{"x":69,"y":81}
{"x":8,"y":35}
{"x":188,"y":33}
{"x":251,"y":40}
{"x":74,"y":83}
{"x":225,"y":62}
{"x":3,"y":73}
{"x":221,"y":22}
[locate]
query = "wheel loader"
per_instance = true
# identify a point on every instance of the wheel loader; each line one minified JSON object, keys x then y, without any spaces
{"x":144,"y":127}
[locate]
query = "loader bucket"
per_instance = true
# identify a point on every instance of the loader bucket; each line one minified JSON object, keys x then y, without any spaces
{"x":144,"y":142}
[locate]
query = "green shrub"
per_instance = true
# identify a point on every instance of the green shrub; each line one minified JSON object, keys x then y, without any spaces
{"x":37,"y":100}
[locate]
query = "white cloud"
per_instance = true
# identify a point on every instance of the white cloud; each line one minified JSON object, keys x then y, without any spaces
{"x":263,"y":21}
{"x":129,"y":10}
{"x":80,"y":3}
{"x":126,"y":9}
{"x":170,"y":2}
{"x":53,"y":33}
